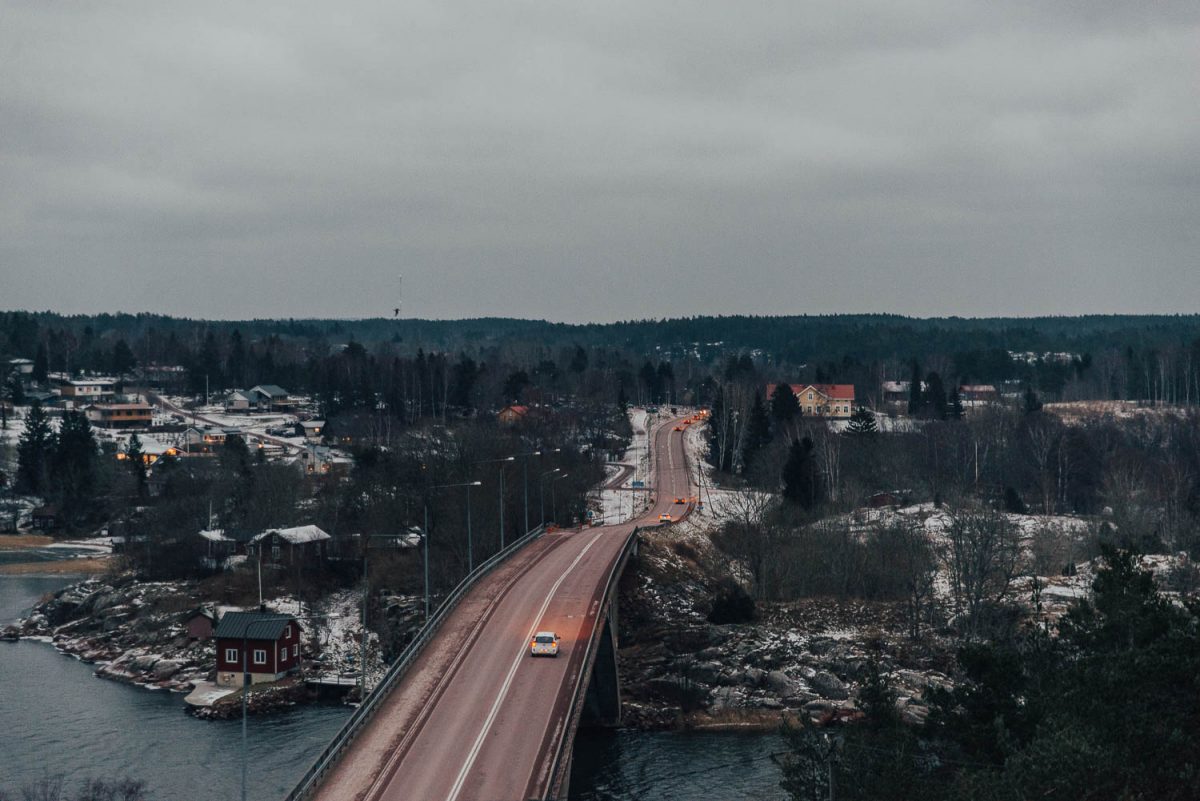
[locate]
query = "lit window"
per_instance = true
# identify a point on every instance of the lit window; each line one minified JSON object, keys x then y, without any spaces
{"x":260,"y":657}
{"x":231,"y":655}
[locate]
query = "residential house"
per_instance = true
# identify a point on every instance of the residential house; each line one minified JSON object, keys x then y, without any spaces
{"x":119,"y":415}
{"x":152,"y":451}
{"x":320,"y":460}
{"x":239,"y":401}
{"x":224,"y":549}
{"x":312,"y":429}
{"x":263,"y":644}
{"x":512,"y":414}
{"x":200,"y":624}
{"x":45,"y":518}
{"x":82,"y":391}
{"x":978,"y":394}
{"x":835,"y":401}
{"x":205,"y":441}
{"x":21,"y":367}
{"x":270,"y":398}
{"x":298,"y":542}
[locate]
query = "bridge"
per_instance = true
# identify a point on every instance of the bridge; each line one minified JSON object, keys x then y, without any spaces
{"x":473,"y":717}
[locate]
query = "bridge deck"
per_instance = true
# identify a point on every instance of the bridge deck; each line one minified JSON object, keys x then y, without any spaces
{"x":476,"y":718}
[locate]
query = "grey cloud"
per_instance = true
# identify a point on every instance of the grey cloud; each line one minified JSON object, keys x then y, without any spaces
{"x":599,"y":161}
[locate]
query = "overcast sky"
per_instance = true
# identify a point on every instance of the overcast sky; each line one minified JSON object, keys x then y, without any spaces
{"x":600,"y":161}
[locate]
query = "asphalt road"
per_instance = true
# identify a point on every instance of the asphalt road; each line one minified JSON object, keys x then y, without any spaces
{"x":477,"y":718}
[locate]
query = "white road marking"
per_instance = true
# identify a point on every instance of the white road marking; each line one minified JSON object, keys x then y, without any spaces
{"x":512,"y":671}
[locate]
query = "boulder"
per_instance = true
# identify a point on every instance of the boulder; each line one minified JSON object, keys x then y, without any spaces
{"x":779,"y":683}
{"x":166,"y":668}
{"x":828,"y":685}
{"x":753,"y":677}
{"x":707,"y":672}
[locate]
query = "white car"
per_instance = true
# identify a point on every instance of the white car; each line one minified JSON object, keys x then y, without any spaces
{"x":544,"y":643}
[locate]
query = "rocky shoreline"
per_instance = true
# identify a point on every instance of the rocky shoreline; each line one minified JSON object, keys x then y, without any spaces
{"x":134,"y":633}
{"x":680,"y":671}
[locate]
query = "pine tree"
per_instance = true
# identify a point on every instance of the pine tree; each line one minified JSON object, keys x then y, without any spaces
{"x":136,"y":460}
{"x":862,"y":422}
{"x":785,"y":406}
{"x":916,"y":399}
{"x":74,"y":463}
{"x":955,"y":410}
{"x":41,"y":364}
{"x":34,"y":451}
{"x":622,"y":398}
{"x":934,"y":397}
{"x":1032,"y":402}
{"x":758,"y":432}
{"x":123,"y":360}
{"x":801,"y":479}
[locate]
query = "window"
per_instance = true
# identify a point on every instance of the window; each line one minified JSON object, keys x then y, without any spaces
{"x":283,"y":654}
{"x":275,"y":551}
{"x":295,"y":650}
{"x":231,"y":655}
{"x":287,"y":631}
{"x":810,"y":396}
{"x":260,"y":657}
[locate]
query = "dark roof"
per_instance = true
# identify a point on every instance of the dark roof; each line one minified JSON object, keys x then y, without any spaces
{"x":253,"y":625}
{"x":270,"y":390}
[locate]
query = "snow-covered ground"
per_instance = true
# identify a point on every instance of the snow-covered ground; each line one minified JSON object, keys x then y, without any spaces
{"x":623,"y":503}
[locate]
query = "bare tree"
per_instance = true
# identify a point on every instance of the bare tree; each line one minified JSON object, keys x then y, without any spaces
{"x":983,"y":550}
{"x":912,"y":557}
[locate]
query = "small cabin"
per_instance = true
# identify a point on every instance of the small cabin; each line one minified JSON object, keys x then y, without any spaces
{"x":264,"y":644}
{"x":200,"y":624}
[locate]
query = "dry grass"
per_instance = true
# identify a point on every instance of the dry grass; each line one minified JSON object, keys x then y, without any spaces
{"x":91,"y":565}
{"x":21,"y":542}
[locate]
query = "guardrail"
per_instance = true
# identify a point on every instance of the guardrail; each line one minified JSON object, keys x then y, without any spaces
{"x":374,"y":700}
{"x":558,"y":765}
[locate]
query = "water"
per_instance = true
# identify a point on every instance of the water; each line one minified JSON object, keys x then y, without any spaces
{"x":57,"y":718}
{"x":675,"y":766}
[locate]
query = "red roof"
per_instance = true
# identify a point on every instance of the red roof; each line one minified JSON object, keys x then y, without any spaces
{"x":832,"y":391}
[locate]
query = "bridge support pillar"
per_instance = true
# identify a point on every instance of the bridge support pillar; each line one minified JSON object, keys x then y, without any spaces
{"x":602,"y":704}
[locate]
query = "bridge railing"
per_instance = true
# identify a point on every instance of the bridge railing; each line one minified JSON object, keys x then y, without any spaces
{"x":561,"y":760}
{"x":374,"y":700}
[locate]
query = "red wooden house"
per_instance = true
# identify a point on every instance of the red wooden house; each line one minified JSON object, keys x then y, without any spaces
{"x":268,"y":643}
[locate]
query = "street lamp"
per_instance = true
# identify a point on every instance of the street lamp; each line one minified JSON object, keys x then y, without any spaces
{"x":542,"y":492}
{"x":525,"y":471}
{"x":501,"y":462}
{"x":468,"y":485}
{"x":553,"y":497}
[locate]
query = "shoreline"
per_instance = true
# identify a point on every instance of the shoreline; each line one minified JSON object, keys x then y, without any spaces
{"x":25,"y":542}
{"x":83,"y":567}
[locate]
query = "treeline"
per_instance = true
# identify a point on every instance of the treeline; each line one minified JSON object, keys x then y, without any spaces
{"x":1155,"y":359}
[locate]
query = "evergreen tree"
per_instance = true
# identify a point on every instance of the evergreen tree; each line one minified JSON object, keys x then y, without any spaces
{"x":785,"y":406}
{"x":579,"y":360}
{"x":34,"y":451}
{"x":862,"y":422}
{"x":75,"y":461}
{"x":235,"y":365}
{"x":916,"y":399}
{"x":41,"y":364}
{"x":136,"y":460}
{"x":934,"y":397}
{"x":666,"y":382}
{"x":758,"y":432}
{"x":122,"y":360}
{"x":1032,"y":402}
{"x":622,"y":398}
{"x":955,"y":410}
{"x":801,"y":479}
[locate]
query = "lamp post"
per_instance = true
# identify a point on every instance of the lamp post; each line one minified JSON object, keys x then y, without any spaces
{"x":542,"y":492}
{"x":467,"y":484}
{"x":501,"y":462}
{"x":525,"y":471}
{"x":554,"y":497}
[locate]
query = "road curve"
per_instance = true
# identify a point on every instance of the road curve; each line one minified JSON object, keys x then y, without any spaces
{"x":476,"y":718}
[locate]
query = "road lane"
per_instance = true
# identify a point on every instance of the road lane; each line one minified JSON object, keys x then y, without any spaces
{"x":472,"y":726}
